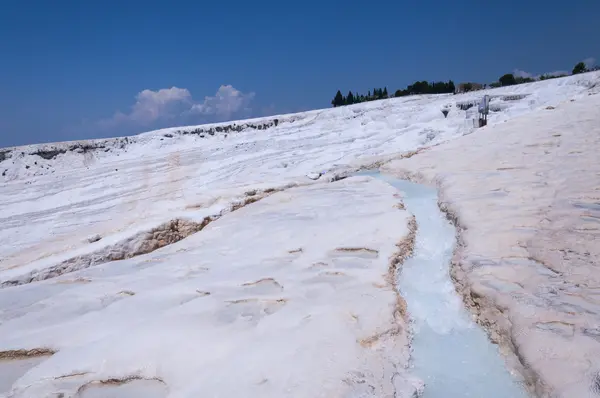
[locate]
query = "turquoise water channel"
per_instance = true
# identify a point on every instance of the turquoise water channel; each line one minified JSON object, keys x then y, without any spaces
{"x":450,"y":352}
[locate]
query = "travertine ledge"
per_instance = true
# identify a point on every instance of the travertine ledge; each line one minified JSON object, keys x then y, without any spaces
{"x":526,"y":197}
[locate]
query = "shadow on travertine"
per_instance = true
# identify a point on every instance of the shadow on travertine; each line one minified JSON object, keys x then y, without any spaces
{"x":140,"y":243}
{"x":12,"y":369}
{"x":136,"y":388}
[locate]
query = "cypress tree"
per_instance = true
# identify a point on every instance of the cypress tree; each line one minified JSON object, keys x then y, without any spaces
{"x":350,"y":98}
{"x":338,"y":100}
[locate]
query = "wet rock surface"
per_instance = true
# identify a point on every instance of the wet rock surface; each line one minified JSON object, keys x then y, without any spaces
{"x":448,"y":351}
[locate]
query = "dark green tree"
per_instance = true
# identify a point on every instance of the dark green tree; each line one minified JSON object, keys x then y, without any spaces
{"x":385,"y":92}
{"x":579,"y":68}
{"x":338,"y":100}
{"x":508,"y":80}
{"x":439,"y":88}
{"x":349,"y":98}
{"x":554,"y":76}
{"x":521,"y":80}
{"x":451,"y":87}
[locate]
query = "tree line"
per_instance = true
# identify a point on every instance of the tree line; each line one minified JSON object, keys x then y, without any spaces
{"x":510,"y":79}
{"x":422,"y":87}
{"x":425,"y":87}
{"x":340,"y":100}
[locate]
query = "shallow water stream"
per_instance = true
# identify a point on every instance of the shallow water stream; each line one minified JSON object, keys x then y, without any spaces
{"x":450,"y":352}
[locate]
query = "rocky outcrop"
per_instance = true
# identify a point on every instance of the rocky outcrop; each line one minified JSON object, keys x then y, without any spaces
{"x":234,"y":127}
{"x":50,"y":153}
{"x":4,"y":155}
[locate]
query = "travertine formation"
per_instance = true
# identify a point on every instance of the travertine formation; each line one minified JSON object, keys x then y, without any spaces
{"x":284,"y":297}
{"x":292,"y":295}
{"x":525,"y":196}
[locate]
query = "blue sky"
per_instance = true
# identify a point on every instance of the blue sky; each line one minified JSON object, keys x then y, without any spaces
{"x":86,"y":69}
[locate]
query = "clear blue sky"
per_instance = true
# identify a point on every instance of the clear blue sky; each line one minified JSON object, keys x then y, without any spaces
{"x":78,"y":69}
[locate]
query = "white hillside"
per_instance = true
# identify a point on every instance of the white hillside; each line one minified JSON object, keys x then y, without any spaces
{"x":227,"y":259}
{"x":371,"y":129}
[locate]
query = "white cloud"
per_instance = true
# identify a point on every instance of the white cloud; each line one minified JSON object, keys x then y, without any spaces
{"x":153,"y":105}
{"x":177,"y":104}
{"x":524,"y":74}
{"x":521,"y":73}
{"x":226,"y":102}
{"x":589,"y":62}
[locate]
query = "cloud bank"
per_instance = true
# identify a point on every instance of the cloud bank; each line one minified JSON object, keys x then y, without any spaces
{"x":227,"y":102}
{"x":176,"y":105}
{"x":521,"y":73}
